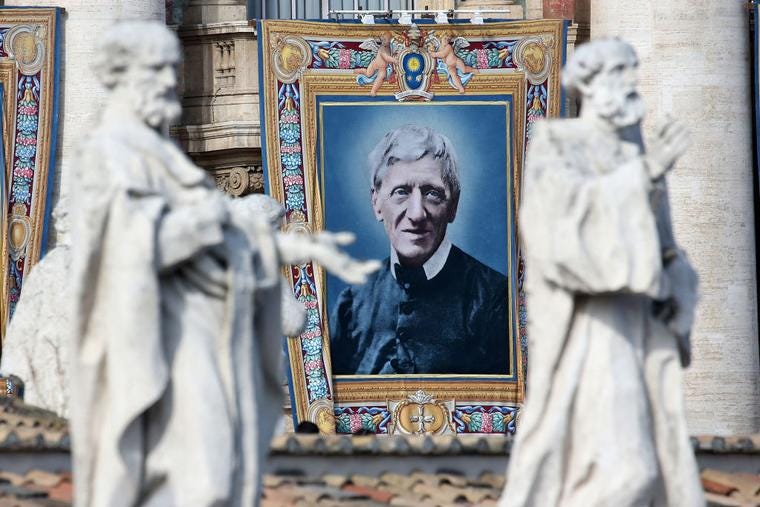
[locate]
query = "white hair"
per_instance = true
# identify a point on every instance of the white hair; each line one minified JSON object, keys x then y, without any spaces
{"x":409,"y":143}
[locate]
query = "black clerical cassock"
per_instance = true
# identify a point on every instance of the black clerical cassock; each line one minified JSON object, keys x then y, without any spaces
{"x":454,"y":323}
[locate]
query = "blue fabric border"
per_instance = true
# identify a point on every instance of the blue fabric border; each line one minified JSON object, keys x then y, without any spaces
{"x":53,"y":133}
{"x":262,"y":110}
{"x":267,"y":191}
{"x":3,"y":183}
{"x":562,"y":95}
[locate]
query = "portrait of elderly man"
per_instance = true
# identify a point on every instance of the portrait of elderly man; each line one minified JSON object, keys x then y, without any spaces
{"x":432,"y":308}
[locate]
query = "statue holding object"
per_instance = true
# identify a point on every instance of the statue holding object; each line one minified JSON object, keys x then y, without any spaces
{"x":176,"y":329}
{"x":611,"y":302}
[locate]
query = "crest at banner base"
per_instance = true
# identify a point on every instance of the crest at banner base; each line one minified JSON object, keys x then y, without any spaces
{"x":421,"y":414}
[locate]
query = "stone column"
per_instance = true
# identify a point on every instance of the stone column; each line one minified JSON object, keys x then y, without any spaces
{"x":695,"y":65}
{"x":534,"y":9}
{"x":80,"y":93}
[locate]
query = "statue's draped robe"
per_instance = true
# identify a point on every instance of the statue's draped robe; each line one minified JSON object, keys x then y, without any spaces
{"x":175,"y":382}
{"x":604,"y":419}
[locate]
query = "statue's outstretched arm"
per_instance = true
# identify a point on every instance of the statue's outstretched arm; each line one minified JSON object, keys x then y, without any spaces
{"x":299,"y":247}
{"x":324,"y":249}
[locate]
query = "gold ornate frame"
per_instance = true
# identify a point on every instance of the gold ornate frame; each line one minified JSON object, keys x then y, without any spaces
{"x":29,"y":72}
{"x":475,"y":403}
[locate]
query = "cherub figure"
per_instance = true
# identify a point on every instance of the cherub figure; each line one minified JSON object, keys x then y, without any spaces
{"x":447,"y":52}
{"x":377,"y":70}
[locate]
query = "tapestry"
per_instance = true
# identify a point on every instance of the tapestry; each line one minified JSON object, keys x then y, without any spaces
{"x":412,"y":138}
{"x":29,"y":73}
{"x":3,"y":193}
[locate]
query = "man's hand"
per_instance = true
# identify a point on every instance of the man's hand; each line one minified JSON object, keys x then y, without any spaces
{"x":671,"y":142}
{"x":324,"y":249}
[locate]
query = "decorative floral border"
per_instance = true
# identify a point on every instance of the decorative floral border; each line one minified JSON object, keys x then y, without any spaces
{"x":32,"y":132}
{"x":290,"y":50}
{"x":485,"y":419}
{"x":352,"y":420}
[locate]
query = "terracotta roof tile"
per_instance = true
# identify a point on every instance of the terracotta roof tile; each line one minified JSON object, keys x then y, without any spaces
{"x":393,"y":479}
{"x":402,"y":445}
{"x":364,"y":480}
{"x":11,"y":478}
{"x":749,"y":484}
{"x":373,"y":493}
{"x":45,"y":480}
{"x":731,"y":484}
{"x":714,"y":500}
{"x":23,"y":492}
{"x":336,"y":480}
{"x":718,"y":487}
{"x":63,"y":492}
{"x":418,"y":489}
{"x":295,"y":487}
{"x":490,"y":479}
{"x":27,"y":427}
{"x":743,"y":444}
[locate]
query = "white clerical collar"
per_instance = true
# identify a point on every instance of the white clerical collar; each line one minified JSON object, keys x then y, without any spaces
{"x":434,"y":264}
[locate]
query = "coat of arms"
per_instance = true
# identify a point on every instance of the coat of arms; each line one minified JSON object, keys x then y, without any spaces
{"x":413,"y":60}
{"x":421,"y":414}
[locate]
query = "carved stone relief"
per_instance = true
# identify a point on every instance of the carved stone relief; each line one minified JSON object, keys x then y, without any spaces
{"x":240,"y":181}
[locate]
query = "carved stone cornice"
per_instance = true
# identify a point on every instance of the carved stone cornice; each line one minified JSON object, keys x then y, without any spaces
{"x":240,"y":181}
{"x":218,"y":136}
{"x":234,"y":29}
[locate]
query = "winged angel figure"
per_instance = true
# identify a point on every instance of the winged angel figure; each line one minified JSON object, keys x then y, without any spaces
{"x":445,"y":48}
{"x":380,"y":68}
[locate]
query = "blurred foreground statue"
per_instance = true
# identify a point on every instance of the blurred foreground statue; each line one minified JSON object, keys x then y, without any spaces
{"x":177,"y":292}
{"x":611,"y":301}
{"x":36,"y":345}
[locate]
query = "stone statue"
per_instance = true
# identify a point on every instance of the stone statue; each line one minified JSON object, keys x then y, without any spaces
{"x":36,"y":343}
{"x":176,"y":350}
{"x":611,"y":300}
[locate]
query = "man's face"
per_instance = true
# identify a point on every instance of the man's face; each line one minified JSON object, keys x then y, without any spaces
{"x":151,"y":86}
{"x":415,"y":206}
{"x":613,"y":94}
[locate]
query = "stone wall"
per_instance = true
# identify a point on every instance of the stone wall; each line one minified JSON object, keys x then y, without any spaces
{"x":695,"y":65}
{"x":220,"y":127}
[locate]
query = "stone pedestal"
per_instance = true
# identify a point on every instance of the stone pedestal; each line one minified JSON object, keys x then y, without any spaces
{"x":695,"y":65}
{"x":80,"y":94}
